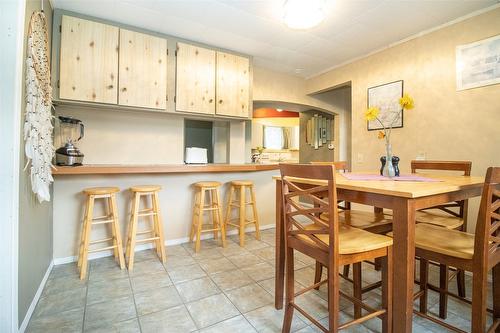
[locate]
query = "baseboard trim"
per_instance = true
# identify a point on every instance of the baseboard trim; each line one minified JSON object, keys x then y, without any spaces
{"x":35,"y":300}
{"x":170,"y":242}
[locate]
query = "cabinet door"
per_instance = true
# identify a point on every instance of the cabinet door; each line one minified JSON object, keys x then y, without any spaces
{"x":143,"y":70}
{"x":233,"y":81}
{"x":195,"y":88}
{"x":88,"y":68}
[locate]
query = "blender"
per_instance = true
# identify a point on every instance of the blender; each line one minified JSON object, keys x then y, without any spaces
{"x":70,"y":131}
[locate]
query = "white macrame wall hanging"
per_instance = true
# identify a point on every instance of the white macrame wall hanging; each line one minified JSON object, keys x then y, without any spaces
{"x":38,"y":119}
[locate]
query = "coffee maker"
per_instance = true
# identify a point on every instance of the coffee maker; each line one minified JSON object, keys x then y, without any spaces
{"x":71,"y":130}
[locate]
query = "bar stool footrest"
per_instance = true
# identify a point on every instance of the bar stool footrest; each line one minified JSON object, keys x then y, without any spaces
{"x":101,"y":240}
{"x":147,"y":239}
{"x":102,"y":249}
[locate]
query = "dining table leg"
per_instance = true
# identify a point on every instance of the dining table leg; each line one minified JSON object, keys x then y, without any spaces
{"x":280,"y":251}
{"x":404,"y":264}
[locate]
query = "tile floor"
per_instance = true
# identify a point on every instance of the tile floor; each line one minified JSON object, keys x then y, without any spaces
{"x":216,"y":290}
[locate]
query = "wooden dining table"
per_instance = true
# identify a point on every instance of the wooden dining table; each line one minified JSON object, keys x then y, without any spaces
{"x":404,"y":198}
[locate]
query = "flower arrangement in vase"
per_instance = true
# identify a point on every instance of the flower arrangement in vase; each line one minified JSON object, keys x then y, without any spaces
{"x":388,"y":168}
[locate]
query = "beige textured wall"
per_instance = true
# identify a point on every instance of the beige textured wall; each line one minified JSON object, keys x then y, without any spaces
{"x":274,"y":86}
{"x":35,"y":219}
{"x":446,"y":124}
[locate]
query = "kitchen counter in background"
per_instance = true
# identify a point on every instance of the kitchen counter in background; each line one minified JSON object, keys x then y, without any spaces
{"x":108,"y":169}
{"x":176,"y":197}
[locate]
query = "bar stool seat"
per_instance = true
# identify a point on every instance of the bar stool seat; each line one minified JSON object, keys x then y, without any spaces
{"x":100,"y":190}
{"x":241,"y":183}
{"x":238,"y":188}
{"x":207,"y":200}
{"x":207,"y":184}
{"x":145,"y":188}
{"x":108,"y":194}
{"x":154,"y":232}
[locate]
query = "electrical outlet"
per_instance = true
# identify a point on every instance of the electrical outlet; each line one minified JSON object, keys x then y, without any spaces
{"x":361,"y":158}
{"x":421,"y":156}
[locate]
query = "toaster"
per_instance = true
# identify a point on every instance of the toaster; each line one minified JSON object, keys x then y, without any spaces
{"x":196,"y":155}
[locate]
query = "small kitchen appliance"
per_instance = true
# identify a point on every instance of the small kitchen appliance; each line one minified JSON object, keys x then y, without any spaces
{"x":195,"y":155}
{"x":71,"y":130}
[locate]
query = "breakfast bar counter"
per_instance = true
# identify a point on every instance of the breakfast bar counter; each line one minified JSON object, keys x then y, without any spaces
{"x":176,"y":196}
{"x":109,"y":169}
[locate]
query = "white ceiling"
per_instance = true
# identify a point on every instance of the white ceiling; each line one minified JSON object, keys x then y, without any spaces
{"x":352,"y":28}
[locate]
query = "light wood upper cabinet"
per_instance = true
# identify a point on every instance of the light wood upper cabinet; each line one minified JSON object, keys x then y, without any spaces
{"x":195,"y":88}
{"x":88,"y":61}
{"x":143,"y":70}
{"x":233,"y":80}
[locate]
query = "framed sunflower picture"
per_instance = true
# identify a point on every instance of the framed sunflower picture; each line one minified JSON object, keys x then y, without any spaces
{"x":386,"y":98}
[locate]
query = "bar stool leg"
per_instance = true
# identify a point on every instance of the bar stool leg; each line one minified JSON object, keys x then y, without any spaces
{"x":255,"y":215}
{"x":213,"y":204}
{"x":133,"y":231}
{"x":88,"y":224}
{"x":82,"y":238}
{"x":129,"y":233}
{"x":220,"y":223}
{"x":201,"y":204}
{"x":159,"y":227}
{"x":242,"y":215}
{"x":229,"y":207}
{"x":154,"y":227}
{"x":116,"y":233}
{"x":195,"y":212}
{"x":110,"y":214}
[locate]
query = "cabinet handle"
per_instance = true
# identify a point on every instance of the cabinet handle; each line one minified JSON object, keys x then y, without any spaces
{"x":210,"y":100}
{"x":124,"y":89}
{"x":110,"y":86}
{"x":220,"y":101}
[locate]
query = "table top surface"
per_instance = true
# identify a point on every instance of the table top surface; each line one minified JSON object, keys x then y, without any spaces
{"x":408,"y":189}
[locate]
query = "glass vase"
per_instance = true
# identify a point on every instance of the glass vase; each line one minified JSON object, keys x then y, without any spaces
{"x":388,"y":170}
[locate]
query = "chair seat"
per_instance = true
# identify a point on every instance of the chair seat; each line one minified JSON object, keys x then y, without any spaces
{"x":360,"y":219}
{"x":101,"y":190}
{"x":207,"y":184}
{"x":353,"y":240}
{"x":439,"y":218}
{"x":242,"y":183}
{"x":453,"y":243}
{"x":145,"y":188}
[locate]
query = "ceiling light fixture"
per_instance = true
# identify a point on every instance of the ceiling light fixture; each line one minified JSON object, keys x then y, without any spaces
{"x":303,"y":14}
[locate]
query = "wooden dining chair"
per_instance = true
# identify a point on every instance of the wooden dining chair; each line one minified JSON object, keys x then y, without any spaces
{"x":331,"y":243}
{"x":377,"y":222}
{"x":451,"y":215}
{"x":477,"y":253}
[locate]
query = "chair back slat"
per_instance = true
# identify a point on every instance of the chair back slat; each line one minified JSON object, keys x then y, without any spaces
{"x":339,"y":165}
{"x":303,"y":184}
{"x":464,"y":166}
{"x":487,"y":240}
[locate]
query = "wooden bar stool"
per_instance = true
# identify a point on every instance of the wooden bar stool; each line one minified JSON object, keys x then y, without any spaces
{"x":111,"y":217}
{"x":156,"y":231}
{"x":241,"y":187}
{"x":207,"y":191}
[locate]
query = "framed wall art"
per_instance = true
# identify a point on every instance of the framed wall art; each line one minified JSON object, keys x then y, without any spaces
{"x":386,"y":98}
{"x":478,"y":63}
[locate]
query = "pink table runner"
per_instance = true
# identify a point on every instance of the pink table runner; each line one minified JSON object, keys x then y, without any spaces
{"x":407,"y":178}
